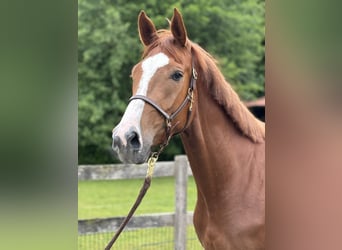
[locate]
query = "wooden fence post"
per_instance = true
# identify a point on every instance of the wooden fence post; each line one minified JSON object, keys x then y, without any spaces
{"x":181,"y":179}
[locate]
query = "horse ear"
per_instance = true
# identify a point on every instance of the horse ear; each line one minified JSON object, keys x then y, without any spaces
{"x":178,"y":28}
{"x":147,"y":30}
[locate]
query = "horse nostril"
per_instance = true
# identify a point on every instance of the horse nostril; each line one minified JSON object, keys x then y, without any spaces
{"x":133,"y":140}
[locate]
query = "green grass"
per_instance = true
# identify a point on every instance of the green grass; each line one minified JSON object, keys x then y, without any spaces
{"x":146,"y":239}
{"x":100,"y":199}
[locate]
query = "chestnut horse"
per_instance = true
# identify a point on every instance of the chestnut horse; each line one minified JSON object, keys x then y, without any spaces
{"x":179,"y":82}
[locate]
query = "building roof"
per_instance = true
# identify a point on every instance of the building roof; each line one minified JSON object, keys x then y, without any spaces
{"x":256,"y":103}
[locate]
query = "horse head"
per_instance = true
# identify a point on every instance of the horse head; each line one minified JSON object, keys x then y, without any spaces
{"x":163,"y":91}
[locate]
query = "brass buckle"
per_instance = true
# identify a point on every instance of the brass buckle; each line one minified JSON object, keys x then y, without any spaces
{"x":194,"y":73}
{"x":191,"y":97}
{"x":151,"y":163}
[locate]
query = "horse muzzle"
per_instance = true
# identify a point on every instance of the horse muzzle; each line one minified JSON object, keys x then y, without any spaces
{"x":128,"y":145}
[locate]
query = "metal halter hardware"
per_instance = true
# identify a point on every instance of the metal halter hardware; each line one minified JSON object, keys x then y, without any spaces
{"x":168,"y":118}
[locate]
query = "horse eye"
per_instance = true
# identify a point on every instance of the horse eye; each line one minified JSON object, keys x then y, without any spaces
{"x":177,"y":76}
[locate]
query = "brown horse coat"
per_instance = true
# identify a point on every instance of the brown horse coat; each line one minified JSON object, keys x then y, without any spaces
{"x":224,"y":142}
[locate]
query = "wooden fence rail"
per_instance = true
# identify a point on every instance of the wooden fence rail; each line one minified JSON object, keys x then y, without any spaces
{"x":127,"y":171}
{"x":104,"y":225}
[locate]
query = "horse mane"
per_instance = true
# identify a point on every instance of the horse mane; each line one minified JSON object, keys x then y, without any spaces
{"x":219,"y":88}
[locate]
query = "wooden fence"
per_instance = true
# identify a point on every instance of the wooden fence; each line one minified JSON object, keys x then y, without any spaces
{"x":131,"y":171}
{"x":179,"y":168}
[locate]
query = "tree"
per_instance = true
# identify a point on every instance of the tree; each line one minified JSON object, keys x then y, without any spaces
{"x":232,"y":31}
{"x":101,"y":54}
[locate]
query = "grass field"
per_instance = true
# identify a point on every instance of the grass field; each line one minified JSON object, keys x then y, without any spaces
{"x":145,"y":239}
{"x":100,"y":199}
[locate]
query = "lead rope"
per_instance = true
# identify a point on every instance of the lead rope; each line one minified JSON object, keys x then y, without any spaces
{"x":147,"y":182}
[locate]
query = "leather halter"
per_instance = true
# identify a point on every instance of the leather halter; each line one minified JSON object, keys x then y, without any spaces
{"x":169,"y":118}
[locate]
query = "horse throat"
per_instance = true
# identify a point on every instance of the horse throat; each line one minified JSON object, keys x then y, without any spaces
{"x":214,"y":145}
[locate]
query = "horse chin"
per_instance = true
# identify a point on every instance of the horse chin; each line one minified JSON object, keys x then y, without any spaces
{"x":133,"y":156}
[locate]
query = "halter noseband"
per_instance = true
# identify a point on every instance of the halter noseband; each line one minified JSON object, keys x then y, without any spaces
{"x":168,"y":118}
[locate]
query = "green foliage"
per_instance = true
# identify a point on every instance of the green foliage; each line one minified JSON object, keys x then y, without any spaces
{"x":232,"y":31}
{"x":101,"y":54}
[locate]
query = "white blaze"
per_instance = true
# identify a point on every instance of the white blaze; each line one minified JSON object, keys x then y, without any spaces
{"x":135,"y":108}
{"x":149,"y":67}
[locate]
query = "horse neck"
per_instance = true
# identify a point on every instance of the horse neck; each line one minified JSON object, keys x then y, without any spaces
{"x":215,"y":147}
